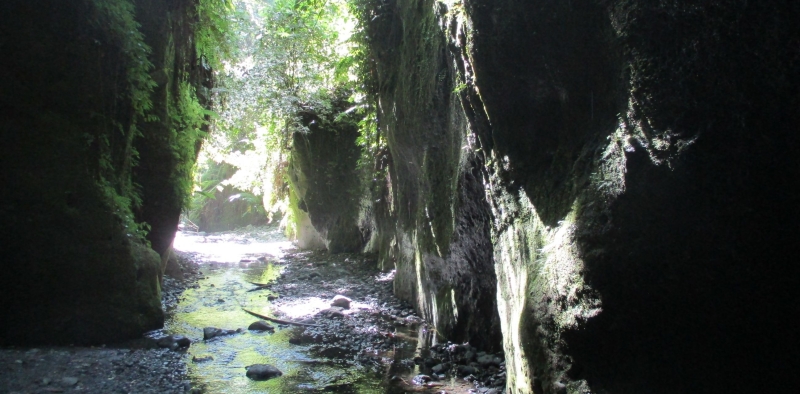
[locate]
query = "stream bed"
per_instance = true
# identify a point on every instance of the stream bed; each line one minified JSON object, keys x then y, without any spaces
{"x":370,"y":347}
{"x":369,"y":343}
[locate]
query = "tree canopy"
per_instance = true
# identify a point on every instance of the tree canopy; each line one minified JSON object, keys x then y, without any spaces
{"x":272,"y":59}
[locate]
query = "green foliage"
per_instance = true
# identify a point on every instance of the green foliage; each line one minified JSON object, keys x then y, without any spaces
{"x":113,"y":140}
{"x":289,"y":54}
{"x":185,"y":120}
{"x":117,"y":18}
{"x":214,"y":31}
{"x":188,"y":121}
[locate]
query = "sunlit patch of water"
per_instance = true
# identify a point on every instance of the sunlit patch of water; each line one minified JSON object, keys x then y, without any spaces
{"x":232,"y":247}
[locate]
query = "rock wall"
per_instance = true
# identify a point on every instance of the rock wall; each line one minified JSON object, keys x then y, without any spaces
{"x":326,"y":182}
{"x":169,"y":147}
{"x":75,"y":95}
{"x":433,"y":220}
{"x":611,"y":180}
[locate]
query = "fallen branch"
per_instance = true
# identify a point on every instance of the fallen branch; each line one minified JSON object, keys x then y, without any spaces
{"x":259,"y":284}
{"x":279,"y":321}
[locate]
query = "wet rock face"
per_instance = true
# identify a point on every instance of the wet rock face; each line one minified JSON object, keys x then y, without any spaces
{"x":160,"y":171}
{"x":639,"y":180}
{"x":71,"y":249}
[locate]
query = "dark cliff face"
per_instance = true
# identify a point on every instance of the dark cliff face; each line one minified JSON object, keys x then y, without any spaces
{"x":325,"y":178}
{"x":75,"y":90}
{"x":624,"y":172}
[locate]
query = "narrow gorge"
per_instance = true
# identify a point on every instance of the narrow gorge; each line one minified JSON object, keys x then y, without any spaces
{"x":600,"y":190}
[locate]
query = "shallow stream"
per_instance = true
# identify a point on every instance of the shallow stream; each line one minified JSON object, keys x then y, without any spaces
{"x":230,"y":264}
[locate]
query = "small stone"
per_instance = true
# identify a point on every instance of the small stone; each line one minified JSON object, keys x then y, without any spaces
{"x":182,"y":341}
{"x":261,"y":325}
{"x":69,"y":381}
{"x":488,"y":360}
{"x":202,"y":359}
{"x":165,"y":342}
{"x":332,"y":312}
{"x":464,"y":370}
{"x":212,"y":332}
{"x":46,"y":381}
{"x":421,"y":379}
{"x":341,"y":302}
{"x":262,"y":372}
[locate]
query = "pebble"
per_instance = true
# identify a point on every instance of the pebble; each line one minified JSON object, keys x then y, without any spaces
{"x":421,"y":379}
{"x":487,"y":360}
{"x":69,"y":381}
{"x":182,"y":341}
{"x":174,"y":342}
{"x":262,"y":372}
{"x":202,"y":359}
{"x":213,"y":332}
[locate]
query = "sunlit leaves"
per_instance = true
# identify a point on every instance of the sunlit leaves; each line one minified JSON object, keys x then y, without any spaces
{"x":288,"y":55}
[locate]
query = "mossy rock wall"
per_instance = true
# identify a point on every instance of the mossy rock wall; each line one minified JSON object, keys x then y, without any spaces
{"x":169,"y":146}
{"x":326,"y":181}
{"x":639,"y":162}
{"x":432,"y":216}
{"x":76,"y":268}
